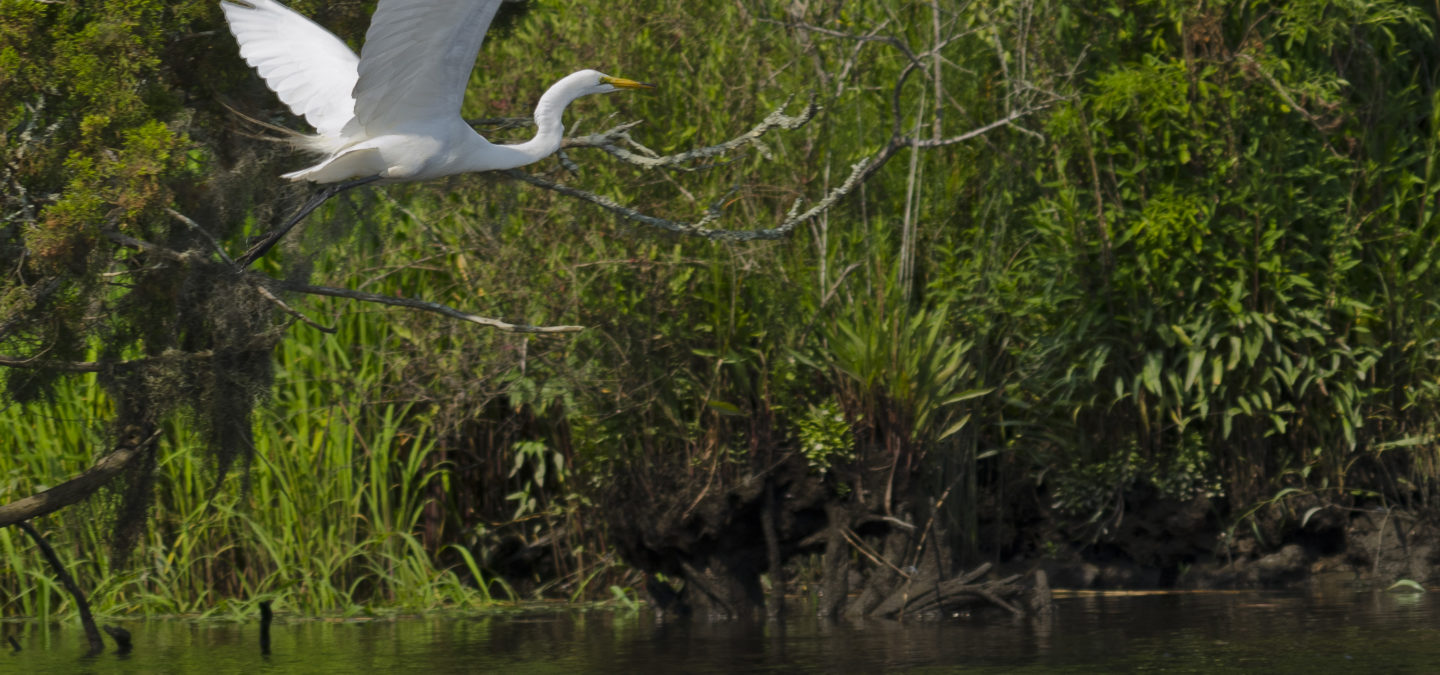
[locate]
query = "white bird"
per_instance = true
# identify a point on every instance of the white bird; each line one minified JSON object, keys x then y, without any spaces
{"x":393,"y":113}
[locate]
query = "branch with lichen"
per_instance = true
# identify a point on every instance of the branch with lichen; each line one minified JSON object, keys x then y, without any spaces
{"x":615,"y":140}
{"x":860,"y":172}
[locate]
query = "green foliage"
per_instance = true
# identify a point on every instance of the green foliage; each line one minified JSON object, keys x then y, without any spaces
{"x":1203,"y":285}
{"x":1207,"y":268}
{"x":328,"y":524}
{"x":108,"y":117}
{"x":825,"y":436}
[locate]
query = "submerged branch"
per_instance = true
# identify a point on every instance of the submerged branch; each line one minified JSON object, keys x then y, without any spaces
{"x":92,"y":634}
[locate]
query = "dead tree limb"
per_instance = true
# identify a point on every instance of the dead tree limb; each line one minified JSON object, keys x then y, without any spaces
{"x":35,"y":363}
{"x":859,"y":173}
{"x":266,"y":285}
{"x":614,"y":140}
{"x":92,"y":633}
{"x":424,"y":305}
{"x":78,"y":488}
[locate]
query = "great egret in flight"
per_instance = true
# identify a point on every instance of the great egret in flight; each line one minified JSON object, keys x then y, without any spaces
{"x":392,"y":113}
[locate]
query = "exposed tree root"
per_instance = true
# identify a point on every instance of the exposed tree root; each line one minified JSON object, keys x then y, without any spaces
{"x":872,"y":565}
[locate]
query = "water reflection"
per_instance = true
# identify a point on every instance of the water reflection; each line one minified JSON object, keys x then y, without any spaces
{"x":1194,"y":632}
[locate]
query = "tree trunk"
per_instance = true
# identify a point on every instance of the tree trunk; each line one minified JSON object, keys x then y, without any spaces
{"x":835,"y":584}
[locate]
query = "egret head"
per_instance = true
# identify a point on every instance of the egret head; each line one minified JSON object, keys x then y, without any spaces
{"x":563,"y":93}
{"x":595,"y":82}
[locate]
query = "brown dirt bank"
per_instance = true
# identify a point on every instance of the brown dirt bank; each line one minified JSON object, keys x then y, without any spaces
{"x":1291,"y":543}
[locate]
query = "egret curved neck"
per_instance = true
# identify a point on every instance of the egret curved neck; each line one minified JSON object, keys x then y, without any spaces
{"x":549,"y":129}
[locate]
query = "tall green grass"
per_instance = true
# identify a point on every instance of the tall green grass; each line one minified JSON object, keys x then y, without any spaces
{"x":326,"y":521}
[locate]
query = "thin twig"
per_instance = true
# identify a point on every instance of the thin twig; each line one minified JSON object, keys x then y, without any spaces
{"x":864,"y":550}
{"x":294,"y":312}
{"x":425,"y":305}
{"x":99,"y":366}
{"x":859,"y":173}
{"x":196,"y":226}
{"x":1289,"y":100}
{"x":610,"y":141}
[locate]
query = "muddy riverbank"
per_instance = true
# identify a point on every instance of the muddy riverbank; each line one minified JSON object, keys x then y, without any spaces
{"x":1294,"y":543}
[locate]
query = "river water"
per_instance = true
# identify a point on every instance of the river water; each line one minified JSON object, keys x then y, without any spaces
{"x":1171,"y":632}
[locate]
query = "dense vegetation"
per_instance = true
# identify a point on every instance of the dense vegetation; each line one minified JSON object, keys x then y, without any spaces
{"x":1205,"y":269}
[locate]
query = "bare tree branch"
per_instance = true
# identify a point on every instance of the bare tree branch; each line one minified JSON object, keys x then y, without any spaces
{"x":196,"y":227}
{"x":92,"y":634}
{"x":329,"y":330}
{"x":610,"y":141}
{"x":98,"y":366}
{"x":425,"y":305}
{"x":78,"y":488}
{"x":859,"y":173}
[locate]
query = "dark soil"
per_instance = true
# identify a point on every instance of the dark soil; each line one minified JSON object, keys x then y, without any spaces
{"x":1304,"y":541}
{"x":715,"y":554}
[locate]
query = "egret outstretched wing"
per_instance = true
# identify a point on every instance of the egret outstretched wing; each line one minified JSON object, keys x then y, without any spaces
{"x":417,"y":59}
{"x":309,"y":68}
{"x":393,"y":113}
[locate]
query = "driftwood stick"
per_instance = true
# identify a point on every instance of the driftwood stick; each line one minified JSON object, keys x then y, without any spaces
{"x":92,"y":633}
{"x":998,"y":601}
{"x":951,"y":592}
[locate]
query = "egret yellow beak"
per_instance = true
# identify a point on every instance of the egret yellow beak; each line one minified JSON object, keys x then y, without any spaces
{"x":622,"y":83}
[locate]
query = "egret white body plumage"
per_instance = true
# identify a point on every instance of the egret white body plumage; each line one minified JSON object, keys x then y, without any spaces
{"x":393,"y":112}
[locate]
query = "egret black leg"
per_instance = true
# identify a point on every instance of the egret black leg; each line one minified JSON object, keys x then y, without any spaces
{"x":274,"y":236}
